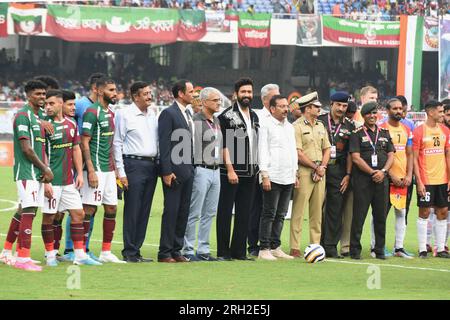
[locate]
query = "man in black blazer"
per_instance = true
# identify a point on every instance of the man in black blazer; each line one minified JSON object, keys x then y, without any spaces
{"x":239,"y":125}
{"x":175,"y":130}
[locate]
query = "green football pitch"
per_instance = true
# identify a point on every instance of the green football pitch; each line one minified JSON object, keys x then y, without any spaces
{"x":394,"y":278}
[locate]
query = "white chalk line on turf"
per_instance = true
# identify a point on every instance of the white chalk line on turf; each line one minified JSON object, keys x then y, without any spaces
{"x":327,"y":260}
{"x":388,"y":265}
{"x":14,"y":207}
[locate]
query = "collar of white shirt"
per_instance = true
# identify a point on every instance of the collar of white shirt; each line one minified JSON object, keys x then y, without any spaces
{"x":278,"y":123}
{"x":138,"y":111}
{"x":182,"y":108}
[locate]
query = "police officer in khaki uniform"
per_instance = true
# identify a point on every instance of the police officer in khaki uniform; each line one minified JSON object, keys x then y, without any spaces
{"x":313,"y":148}
{"x":339,"y":170}
{"x":372,"y":154}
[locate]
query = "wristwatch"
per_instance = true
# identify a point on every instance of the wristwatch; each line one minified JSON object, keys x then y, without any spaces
{"x":384,"y":171}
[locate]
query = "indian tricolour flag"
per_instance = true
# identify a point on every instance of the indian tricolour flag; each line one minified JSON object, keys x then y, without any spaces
{"x":409,"y":72}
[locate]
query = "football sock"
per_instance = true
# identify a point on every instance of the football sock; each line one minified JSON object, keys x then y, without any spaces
{"x":441,"y":230}
{"x":422,"y":234}
{"x":109,"y":224}
{"x":86,"y":227}
{"x":90,"y":232}
{"x":430,"y":227}
{"x":400,"y":227}
{"x":13,"y":232}
{"x":25,"y":230}
{"x":69,"y":244}
{"x":77,"y":234}
{"x":47,"y":236}
{"x":448,"y":229}
{"x":57,"y":234}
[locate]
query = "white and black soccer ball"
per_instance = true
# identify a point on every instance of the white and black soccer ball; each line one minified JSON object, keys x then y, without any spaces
{"x":314,"y":253}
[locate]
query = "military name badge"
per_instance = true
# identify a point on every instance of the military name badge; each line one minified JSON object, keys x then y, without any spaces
{"x":333,"y":152}
{"x":374,"y":160}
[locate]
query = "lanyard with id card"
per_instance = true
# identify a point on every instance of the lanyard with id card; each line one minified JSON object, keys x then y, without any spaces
{"x":216,"y":134}
{"x":374,"y":156}
{"x":333,"y":146}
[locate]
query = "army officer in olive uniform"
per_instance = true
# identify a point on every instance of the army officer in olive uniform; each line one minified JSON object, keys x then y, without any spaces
{"x":372,"y":154}
{"x":339,"y":169}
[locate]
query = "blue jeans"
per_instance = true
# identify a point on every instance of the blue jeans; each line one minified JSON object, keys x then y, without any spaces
{"x":204,"y":202}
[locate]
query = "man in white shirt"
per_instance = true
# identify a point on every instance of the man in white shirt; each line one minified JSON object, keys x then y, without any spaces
{"x":135,"y":151}
{"x":267,"y":92}
{"x":278,"y":173}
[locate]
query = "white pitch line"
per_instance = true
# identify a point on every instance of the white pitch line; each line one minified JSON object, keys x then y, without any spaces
{"x":14,"y":207}
{"x":389,"y":265}
{"x":327,"y":260}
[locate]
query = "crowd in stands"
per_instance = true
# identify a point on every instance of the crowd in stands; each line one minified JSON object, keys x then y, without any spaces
{"x":351,"y":9}
{"x":15,"y":72}
{"x":382,"y":10}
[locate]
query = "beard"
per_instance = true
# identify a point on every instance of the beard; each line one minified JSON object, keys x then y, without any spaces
{"x":245,"y":102}
{"x":396,"y":117}
{"x":109,"y":100}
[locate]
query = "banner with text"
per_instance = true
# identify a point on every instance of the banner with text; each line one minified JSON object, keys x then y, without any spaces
{"x":113,"y":25}
{"x":216,"y":22}
{"x":27,"y":21}
{"x":3,"y":19}
{"x":192,"y":25}
{"x":444,"y":58}
{"x":372,"y":34}
{"x":309,"y":30}
{"x":431,"y":34}
{"x":254,"y":29}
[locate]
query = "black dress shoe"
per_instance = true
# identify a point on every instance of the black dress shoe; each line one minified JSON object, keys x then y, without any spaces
{"x":345,"y":254}
{"x":142,"y":259}
{"x":334,"y":256}
{"x":355,"y":256}
{"x":380,"y":256}
{"x":132,"y":259}
{"x":244,"y":258}
{"x":224,"y":259}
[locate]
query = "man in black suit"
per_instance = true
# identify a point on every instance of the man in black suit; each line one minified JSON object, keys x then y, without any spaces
{"x":176,"y":130}
{"x":239,"y":125}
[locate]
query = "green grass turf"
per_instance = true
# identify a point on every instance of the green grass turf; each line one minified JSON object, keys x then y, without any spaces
{"x":222,"y":280}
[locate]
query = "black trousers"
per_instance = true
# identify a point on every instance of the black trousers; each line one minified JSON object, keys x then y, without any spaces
{"x":333,"y":208}
{"x":142,"y":178}
{"x":255,"y":216}
{"x":368,"y":193}
{"x":177,"y":200}
{"x":275,"y":207}
{"x":241,"y":196}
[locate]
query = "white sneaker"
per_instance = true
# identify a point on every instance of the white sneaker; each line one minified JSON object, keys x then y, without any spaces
{"x":280,"y":254}
{"x":266,"y":255}
{"x":7,"y":258}
{"x":33,"y":261}
{"x":108,"y":256}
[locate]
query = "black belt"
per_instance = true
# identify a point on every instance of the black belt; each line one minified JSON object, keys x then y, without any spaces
{"x":130,"y":156}
{"x":212,"y":167}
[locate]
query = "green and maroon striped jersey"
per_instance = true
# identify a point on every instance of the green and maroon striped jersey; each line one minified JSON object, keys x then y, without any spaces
{"x":28,"y":126}
{"x":98,"y":124}
{"x":60,"y":150}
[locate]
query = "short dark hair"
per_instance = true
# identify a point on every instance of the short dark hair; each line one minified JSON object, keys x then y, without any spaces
{"x":50,"y":81}
{"x":446,"y":103}
{"x":402,"y":100}
{"x":54,"y":93}
{"x":432,"y":104}
{"x":34,"y":85}
{"x":178,"y":86}
{"x":388,"y":104}
{"x":274,"y":99}
{"x":68,"y":95}
{"x":136,"y":86}
{"x":242,"y":82}
{"x":94,"y":77}
{"x":103,"y":81}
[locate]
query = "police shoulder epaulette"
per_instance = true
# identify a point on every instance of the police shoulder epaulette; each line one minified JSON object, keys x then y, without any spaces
{"x":383,"y":129}
{"x":357,"y":129}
